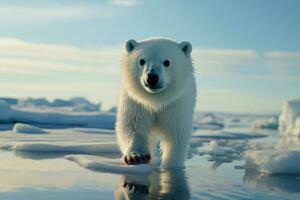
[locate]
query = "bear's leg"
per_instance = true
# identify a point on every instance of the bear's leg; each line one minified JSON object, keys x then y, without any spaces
{"x":174,"y":149}
{"x":175,"y":125}
{"x":133,"y":127}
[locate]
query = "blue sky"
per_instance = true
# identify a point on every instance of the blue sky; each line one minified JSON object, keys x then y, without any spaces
{"x":247,"y":53}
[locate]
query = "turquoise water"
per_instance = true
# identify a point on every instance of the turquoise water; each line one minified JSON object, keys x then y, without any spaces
{"x":36,"y":176}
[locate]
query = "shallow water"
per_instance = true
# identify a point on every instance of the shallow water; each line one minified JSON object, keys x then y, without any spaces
{"x":49,"y":176}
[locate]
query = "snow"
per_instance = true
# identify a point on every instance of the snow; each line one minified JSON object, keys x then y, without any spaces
{"x":269,"y":123}
{"x":52,"y":147}
{"x":273,"y":161}
{"x":111,"y":165}
{"x":289,"y":120}
{"x":90,"y":119}
{"x":29,"y":129}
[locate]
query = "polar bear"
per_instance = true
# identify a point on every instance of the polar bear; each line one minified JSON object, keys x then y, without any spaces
{"x":157,"y":98}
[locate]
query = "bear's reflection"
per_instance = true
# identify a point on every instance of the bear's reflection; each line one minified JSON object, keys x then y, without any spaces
{"x":159,"y":185}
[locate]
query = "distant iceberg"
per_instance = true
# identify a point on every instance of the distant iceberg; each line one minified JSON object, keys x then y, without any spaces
{"x":208,"y":121}
{"x":76,"y":104}
{"x":10,"y":114}
{"x":289,"y":120}
{"x":268,"y":123}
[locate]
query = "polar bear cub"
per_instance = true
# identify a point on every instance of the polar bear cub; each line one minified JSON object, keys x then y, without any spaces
{"x":157,"y":98}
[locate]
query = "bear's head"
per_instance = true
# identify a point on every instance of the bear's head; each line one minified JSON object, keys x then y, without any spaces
{"x":156,"y":71}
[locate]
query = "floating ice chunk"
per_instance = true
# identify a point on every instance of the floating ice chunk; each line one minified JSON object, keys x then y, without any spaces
{"x":270,"y":123}
{"x":28,"y":129}
{"x":48,"y":147}
{"x":214,"y":148}
{"x":289,"y":121}
{"x":111,"y":165}
{"x":273,"y":161}
{"x":223,"y":151}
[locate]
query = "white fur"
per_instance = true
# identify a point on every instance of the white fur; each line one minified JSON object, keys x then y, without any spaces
{"x":168,"y":113}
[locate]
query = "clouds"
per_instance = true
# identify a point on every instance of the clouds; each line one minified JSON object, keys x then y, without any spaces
{"x":44,"y":11}
{"x":18,"y":56}
{"x":247,"y":62}
{"x":33,"y":13}
{"x":283,"y":58}
{"x":128,"y":3}
{"x":216,"y":61}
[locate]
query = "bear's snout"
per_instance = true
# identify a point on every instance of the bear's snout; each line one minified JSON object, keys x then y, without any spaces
{"x":152,"y":80}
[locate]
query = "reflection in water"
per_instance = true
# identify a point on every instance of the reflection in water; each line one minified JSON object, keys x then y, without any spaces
{"x":283,"y":183}
{"x":159,"y":185}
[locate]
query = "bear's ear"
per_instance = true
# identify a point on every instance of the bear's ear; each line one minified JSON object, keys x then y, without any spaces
{"x":186,"y":47}
{"x":130,"y":45}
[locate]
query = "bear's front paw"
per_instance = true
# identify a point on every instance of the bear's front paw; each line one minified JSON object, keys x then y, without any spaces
{"x":134,"y":158}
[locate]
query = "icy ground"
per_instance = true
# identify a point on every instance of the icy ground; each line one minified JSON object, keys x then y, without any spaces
{"x":50,"y":153}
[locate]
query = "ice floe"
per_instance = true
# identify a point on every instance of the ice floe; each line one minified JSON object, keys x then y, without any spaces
{"x":111,"y":165}
{"x":273,"y":161}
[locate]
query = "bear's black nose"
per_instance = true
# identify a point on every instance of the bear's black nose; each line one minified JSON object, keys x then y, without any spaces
{"x":152,"y":79}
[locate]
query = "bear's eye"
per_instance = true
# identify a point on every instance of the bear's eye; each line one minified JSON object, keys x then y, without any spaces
{"x":142,"y":62}
{"x":166,"y":63}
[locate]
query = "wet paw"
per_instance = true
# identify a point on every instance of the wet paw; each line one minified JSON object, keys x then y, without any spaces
{"x":135,"y":158}
{"x":136,"y":188}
